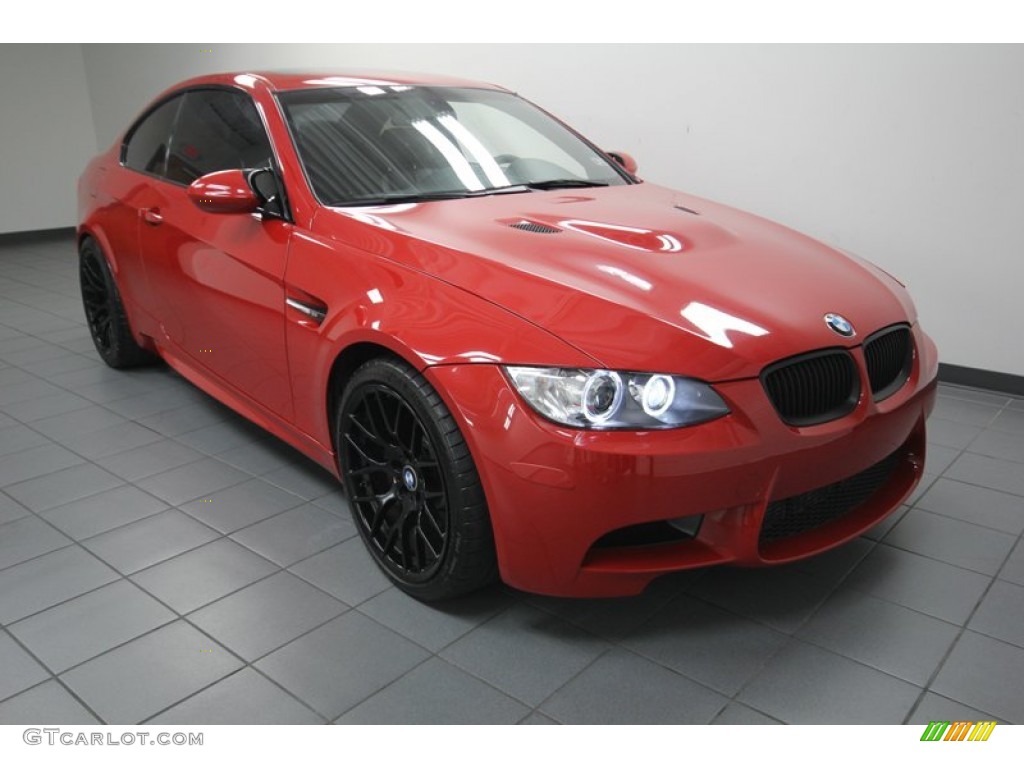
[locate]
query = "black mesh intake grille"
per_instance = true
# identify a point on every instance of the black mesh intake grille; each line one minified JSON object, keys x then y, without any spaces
{"x":798,"y":514}
{"x":813,"y":388}
{"x":533,"y":226}
{"x":889,"y":355}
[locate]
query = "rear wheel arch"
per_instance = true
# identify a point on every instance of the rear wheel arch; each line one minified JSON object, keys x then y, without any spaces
{"x":87,"y":234}
{"x":106,"y":318}
{"x":97,"y":237}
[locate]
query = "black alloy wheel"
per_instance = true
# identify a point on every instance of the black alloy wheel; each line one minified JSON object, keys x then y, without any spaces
{"x":96,"y":300}
{"x":104,"y":312}
{"x":411,"y":483}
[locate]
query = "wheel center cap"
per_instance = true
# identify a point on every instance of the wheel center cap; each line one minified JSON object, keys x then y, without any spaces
{"x":409,"y":478}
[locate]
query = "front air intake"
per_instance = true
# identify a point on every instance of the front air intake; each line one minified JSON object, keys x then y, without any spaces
{"x":814,"y":509}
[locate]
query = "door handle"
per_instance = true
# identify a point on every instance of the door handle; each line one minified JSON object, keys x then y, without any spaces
{"x":152,"y":216}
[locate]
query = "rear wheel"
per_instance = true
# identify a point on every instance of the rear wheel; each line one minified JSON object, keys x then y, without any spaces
{"x":104,"y":311}
{"x":412,"y":485}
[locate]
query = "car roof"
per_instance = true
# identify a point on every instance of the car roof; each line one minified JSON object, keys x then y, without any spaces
{"x":292,"y":80}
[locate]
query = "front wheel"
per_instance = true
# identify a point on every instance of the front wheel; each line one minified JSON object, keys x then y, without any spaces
{"x":412,"y":485}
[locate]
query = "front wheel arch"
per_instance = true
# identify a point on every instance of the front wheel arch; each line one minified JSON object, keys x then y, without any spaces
{"x":374,"y":454}
{"x":345,"y":364}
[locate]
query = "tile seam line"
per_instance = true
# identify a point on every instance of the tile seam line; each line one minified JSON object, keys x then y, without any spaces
{"x":177,"y":614}
{"x":50,"y":672}
{"x":963,"y":628}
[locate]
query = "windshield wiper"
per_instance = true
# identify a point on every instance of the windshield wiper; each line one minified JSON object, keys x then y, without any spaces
{"x":411,"y":198}
{"x":564,"y":183}
{"x":420,"y":197}
{"x":455,"y":194}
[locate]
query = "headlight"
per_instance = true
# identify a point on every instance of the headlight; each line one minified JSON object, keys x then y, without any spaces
{"x":598,"y":399}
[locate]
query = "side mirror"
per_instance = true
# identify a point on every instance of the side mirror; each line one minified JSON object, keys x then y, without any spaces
{"x":625,"y":160}
{"x":224,"y":192}
{"x":264,"y":182}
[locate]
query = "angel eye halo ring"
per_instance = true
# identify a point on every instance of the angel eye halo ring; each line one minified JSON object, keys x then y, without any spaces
{"x":605,"y":399}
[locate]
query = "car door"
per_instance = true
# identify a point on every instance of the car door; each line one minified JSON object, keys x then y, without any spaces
{"x":217,"y":279}
{"x":130,"y":187}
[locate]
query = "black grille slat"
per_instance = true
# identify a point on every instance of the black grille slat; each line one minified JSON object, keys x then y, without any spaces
{"x":825,"y":385}
{"x":533,"y":226}
{"x":807,"y":511}
{"x":813,"y":388}
{"x":889,"y":356}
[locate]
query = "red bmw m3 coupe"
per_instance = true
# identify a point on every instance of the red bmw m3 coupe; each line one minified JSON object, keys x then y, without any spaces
{"x":519,"y":359}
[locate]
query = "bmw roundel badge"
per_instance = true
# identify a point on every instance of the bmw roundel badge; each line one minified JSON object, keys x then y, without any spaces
{"x":839,"y":324}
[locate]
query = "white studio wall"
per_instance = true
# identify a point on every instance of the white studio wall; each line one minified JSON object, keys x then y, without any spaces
{"x":46,"y":135}
{"x":907,"y":155}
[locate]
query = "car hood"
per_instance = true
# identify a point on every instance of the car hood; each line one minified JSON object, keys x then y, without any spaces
{"x":639,"y":277}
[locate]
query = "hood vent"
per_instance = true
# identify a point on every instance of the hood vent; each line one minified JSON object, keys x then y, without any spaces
{"x":533,"y":226}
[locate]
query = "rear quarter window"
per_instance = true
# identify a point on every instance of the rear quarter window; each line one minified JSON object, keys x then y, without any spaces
{"x":217,"y":130}
{"x":145,"y":149}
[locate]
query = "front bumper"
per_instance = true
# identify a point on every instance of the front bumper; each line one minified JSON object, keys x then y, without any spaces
{"x":554,"y":492}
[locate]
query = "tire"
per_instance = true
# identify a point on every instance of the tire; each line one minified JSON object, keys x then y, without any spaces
{"x":104,"y":312}
{"x":411,"y":483}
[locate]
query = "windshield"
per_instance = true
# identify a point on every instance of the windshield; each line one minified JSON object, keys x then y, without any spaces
{"x":378,"y":144}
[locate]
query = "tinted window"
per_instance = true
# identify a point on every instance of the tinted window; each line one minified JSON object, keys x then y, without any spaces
{"x":216,"y":131}
{"x":146,"y":148}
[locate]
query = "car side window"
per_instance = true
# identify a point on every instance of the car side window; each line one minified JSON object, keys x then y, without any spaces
{"x":217,"y":130}
{"x":146,"y":146}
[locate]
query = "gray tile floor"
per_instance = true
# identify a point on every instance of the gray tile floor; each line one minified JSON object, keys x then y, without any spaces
{"x":161,"y":560}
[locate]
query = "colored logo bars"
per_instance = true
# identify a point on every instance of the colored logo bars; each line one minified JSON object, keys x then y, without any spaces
{"x":961,"y":730}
